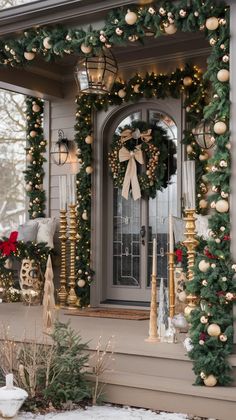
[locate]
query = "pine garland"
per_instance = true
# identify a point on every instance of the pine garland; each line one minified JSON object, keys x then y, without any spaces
{"x":35,"y":150}
{"x":217,"y":293}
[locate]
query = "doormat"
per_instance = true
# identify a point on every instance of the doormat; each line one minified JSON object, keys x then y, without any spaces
{"x":114,"y":313}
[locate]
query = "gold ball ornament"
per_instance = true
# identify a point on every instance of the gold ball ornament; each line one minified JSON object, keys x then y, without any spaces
{"x":33,"y":133}
{"x":47,"y":43}
{"x":223,"y":338}
{"x":89,"y":139}
{"x":203,"y":156}
{"x":210,"y":380}
{"x":29,"y":56}
{"x":220,"y":127}
{"x":203,"y":204}
{"x":214,"y":330}
{"x":170,"y":29}
{"x":189,"y":149}
{"x":86,"y":49}
{"x":187,"y":310}
{"x":136,"y":88}
{"x":29,"y":158}
{"x":81,"y":282}
{"x":89,"y":170}
{"x":212,"y":23}
{"x":222,"y":206}
{"x":187,"y":81}
{"x":36,"y":108}
{"x":223,"y":75}
{"x":28,"y":187}
{"x":121,"y":93}
{"x":131,"y":18}
{"x":203,"y":266}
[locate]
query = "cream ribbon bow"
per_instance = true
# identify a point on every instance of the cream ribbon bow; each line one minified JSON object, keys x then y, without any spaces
{"x":131,"y":171}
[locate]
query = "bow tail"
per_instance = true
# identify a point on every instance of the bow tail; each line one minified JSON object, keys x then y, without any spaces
{"x":127,"y":180}
{"x":136,"y":192}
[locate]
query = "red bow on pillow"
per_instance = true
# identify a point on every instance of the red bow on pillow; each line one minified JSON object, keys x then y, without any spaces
{"x":8,"y":246}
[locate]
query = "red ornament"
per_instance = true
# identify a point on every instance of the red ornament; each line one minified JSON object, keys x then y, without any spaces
{"x":226,"y":238}
{"x":179,"y":255}
{"x":208,"y":254}
{"x":8,"y":246}
{"x":203,"y":336}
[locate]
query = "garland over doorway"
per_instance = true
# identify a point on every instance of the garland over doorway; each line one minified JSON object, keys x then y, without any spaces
{"x":211,"y":331}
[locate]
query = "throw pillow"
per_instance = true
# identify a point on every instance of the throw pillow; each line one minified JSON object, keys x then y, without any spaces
{"x":28,"y":232}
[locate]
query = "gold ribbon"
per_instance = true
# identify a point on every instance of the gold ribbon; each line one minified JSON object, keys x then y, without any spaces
{"x":136,"y":134}
{"x":131,"y":177}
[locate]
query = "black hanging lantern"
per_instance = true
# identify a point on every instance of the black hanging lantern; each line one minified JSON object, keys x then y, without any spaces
{"x":60,"y":150}
{"x":204,"y":134}
{"x":96,"y":74}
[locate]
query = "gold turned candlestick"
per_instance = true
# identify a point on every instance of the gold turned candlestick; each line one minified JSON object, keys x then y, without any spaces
{"x":171,"y":261}
{"x":72,"y":298}
{"x":62,"y":293}
{"x":191,"y":243}
{"x":153,"y":336}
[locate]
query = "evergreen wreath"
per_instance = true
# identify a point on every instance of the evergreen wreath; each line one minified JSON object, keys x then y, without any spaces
{"x":156,"y":149}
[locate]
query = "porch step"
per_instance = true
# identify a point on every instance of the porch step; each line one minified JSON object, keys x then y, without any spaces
{"x":169,"y":394}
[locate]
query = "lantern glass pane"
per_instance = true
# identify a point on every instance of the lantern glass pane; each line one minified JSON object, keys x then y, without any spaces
{"x":60,"y":153}
{"x":204,"y":135}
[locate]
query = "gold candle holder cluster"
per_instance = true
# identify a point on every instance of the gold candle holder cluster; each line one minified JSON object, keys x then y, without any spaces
{"x":66,"y":293}
{"x":191,"y":243}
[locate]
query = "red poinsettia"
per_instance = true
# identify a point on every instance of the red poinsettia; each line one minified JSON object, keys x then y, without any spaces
{"x":208,"y":254}
{"x":179,"y":255}
{"x":10,"y":245}
{"x":226,"y":238}
{"x":203,"y":336}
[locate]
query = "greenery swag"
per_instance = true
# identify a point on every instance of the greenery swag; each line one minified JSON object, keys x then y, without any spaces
{"x":35,"y":150}
{"x":157,"y":152}
{"x":211,"y":331}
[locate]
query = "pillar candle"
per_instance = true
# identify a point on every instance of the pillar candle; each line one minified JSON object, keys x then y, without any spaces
{"x":154,"y":258}
{"x":189,"y":182}
{"x":71,"y":188}
{"x":62,"y":191}
{"x":171,"y":234}
{"x":9,"y":380}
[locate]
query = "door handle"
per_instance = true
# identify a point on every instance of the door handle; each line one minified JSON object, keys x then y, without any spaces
{"x":143,"y":234}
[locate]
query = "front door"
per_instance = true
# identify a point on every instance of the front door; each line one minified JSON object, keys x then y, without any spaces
{"x":132,"y":225}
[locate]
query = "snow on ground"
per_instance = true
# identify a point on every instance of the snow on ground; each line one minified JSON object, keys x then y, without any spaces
{"x":105,"y":413}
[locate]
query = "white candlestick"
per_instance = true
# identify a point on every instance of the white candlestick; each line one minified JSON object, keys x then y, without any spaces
{"x":154,"y":258}
{"x":71,"y":188}
{"x":189,"y":184}
{"x":171,"y":234}
{"x":9,"y":380}
{"x":62,"y":192}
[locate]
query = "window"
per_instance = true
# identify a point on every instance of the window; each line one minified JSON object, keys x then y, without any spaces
{"x":12,"y":161}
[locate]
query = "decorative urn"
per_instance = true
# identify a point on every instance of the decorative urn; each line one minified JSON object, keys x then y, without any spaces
{"x":11,"y":398}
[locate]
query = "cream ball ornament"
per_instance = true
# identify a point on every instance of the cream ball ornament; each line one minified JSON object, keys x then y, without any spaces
{"x":223,"y":75}
{"x":28,"y":187}
{"x":89,"y":170}
{"x":222,"y":206}
{"x":47,"y":43}
{"x":136,"y":88}
{"x":214,"y":330}
{"x":86,"y":49}
{"x":131,"y":18}
{"x":170,"y":29}
{"x":203,"y":319}
{"x":203,"y":266}
{"x":203,"y":156}
{"x":212,"y":23}
{"x":36,"y":108}
{"x":33,"y":133}
{"x":29,"y":158}
{"x":29,"y":56}
{"x":81,"y":283}
{"x":220,"y":127}
{"x":122,"y":93}
{"x":187,"y":81}
{"x":203,"y":204}
{"x":85,"y":215}
{"x":223,"y":338}
{"x":189,"y":149}
{"x":210,"y":380}
{"x":89,"y":139}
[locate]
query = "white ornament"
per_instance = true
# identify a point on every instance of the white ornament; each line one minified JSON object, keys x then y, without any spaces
{"x":223,"y":338}
{"x":182,"y":13}
{"x":131,"y":18}
{"x":204,"y":320}
{"x":224,"y":195}
{"x":223,"y":75}
{"x":224,"y":279}
{"x":217,"y":241}
{"x":201,"y":342}
{"x":220,"y":127}
{"x":81,"y":282}
{"x":222,"y":228}
{"x":214,"y":330}
{"x":196,"y":14}
{"x":89,"y":139}
{"x":212,"y":41}
{"x":213,"y":266}
{"x":85,"y":215}
{"x":119,"y":31}
{"x":204,"y":282}
{"x":47,"y":43}
{"x":122,"y":93}
{"x":86,"y":49}
{"x":225,"y":58}
{"x":162,"y":11}
{"x":203,"y":266}
{"x":202,"y":375}
{"x":210,"y":380}
{"x":33,"y":133}
{"x":223,"y":164}
{"x":151,"y":11}
{"x":212,"y":23}
{"x":29,"y":56}
{"x":170,"y":29}
{"x":222,"y":206}
{"x":229,"y":296}
{"x":36,"y":108}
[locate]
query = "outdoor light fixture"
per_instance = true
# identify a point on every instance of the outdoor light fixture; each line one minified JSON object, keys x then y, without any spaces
{"x":96,"y":74}
{"x":204,"y":134}
{"x":60,"y":150}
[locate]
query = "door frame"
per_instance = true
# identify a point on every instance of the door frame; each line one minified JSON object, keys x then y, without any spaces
{"x":106,"y":122}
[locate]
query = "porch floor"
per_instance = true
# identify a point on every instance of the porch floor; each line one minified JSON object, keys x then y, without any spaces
{"x":150,"y":375}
